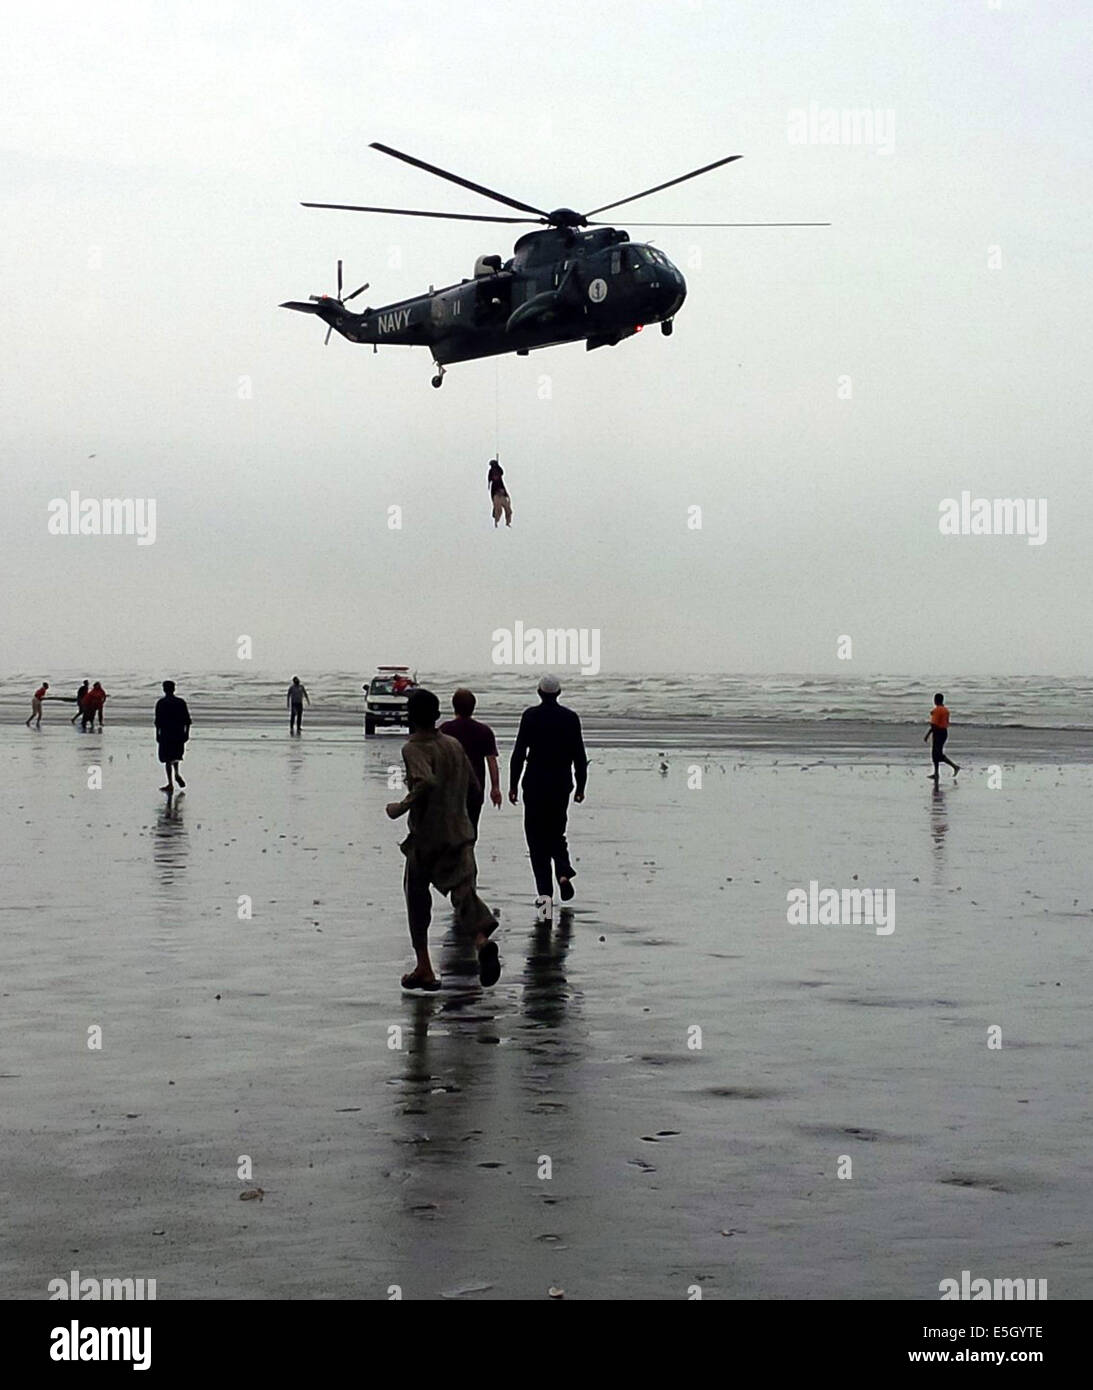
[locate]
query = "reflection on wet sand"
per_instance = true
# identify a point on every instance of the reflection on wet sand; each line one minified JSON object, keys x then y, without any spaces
{"x":939,"y":826}
{"x":476,"y":1063}
{"x":552,"y":1049}
{"x":546,"y":990}
{"x":170,"y":849}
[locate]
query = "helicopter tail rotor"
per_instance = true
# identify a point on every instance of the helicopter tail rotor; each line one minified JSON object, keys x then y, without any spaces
{"x":326,"y":305}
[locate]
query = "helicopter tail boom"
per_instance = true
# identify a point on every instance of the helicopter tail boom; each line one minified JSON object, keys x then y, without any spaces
{"x":332,"y":312}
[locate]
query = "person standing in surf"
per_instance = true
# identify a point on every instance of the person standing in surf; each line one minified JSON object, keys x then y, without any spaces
{"x":550,"y":742}
{"x":81,"y":695}
{"x":297,"y":694}
{"x":439,"y":849}
{"x":939,"y":731}
{"x":172,"y":730}
{"x":92,"y":705}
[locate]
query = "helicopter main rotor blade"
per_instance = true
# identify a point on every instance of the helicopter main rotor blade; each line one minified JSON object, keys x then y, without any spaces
{"x":455,"y":178}
{"x":716,"y":224}
{"x":326,"y":340}
{"x":348,"y":297}
{"x":417,"y":212}
{"x":682,"y":179}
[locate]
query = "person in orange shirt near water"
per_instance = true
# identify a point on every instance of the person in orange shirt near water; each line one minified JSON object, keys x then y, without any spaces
{"x":939,"y":732}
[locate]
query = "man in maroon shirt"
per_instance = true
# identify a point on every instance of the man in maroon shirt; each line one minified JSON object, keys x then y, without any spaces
{"x":480,"y":747}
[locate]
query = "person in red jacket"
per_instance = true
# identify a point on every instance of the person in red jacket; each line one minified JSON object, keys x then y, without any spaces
{"x":93,"y":702}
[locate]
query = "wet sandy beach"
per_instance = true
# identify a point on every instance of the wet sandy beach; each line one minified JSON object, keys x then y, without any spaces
{"x":562,"y":1130}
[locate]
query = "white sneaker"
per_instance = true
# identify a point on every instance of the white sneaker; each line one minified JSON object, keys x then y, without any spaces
{"x":544,"y":909}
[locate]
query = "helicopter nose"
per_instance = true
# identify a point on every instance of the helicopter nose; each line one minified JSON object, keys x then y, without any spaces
{"x":675,"y":292}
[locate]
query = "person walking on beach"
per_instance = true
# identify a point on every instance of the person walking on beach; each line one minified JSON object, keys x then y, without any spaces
{"x":36,"y":705}
{"x":939,"y":731}
{"x":480,"y":747}
{"x":93,"y":702}
{"x":295,"y":698}
{"x":499,"y":494}
{"x":172,"y":721}
{"x":79,"y":700}
{"x":439,"y":849}
{"x":550,"y":742}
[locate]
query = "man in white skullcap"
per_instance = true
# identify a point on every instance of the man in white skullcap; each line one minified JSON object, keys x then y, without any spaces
{"x":550,"y":743}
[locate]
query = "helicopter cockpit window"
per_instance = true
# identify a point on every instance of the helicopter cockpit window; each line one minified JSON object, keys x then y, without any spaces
{"x":616,"y":262}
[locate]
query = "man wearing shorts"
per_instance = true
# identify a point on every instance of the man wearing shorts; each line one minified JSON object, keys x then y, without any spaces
{"x":172,"y":731}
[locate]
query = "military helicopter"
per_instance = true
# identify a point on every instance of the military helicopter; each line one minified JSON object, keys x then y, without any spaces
{"x":578,"y":279}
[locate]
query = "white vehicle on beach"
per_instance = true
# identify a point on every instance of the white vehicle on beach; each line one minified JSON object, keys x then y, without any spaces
{"x":386,"y":697}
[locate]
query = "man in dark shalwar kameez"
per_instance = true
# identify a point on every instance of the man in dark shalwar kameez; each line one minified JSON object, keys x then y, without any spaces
{"x":439,"y":849}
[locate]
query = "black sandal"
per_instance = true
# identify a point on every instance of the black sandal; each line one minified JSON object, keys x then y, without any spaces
{"x":489,"y":964}
{"x":413,"y":981}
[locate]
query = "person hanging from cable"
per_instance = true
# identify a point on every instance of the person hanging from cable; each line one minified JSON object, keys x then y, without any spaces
{"x":499,"y":494}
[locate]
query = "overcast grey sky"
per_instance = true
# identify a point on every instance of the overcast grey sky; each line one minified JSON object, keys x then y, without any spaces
{"x":154,"y":159}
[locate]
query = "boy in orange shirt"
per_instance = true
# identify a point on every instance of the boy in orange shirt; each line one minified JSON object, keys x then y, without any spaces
{"x":939,"y":732}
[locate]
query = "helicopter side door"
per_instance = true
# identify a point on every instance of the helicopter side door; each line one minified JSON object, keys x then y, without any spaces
{"x":626,"y":272}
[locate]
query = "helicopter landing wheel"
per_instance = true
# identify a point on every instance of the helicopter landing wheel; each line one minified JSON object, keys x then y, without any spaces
{"x":666,"y":328}
{"x":438,"y":380}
